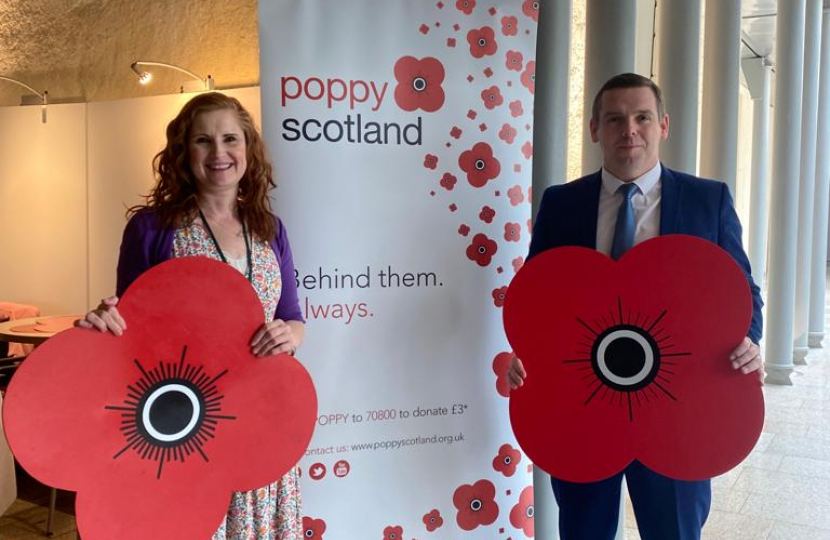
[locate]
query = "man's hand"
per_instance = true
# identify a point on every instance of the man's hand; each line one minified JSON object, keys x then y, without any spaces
{"x":516,"y":374}
{"x":747,"y":358}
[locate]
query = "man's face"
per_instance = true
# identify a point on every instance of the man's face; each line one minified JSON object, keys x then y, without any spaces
{"x":629,"y":131}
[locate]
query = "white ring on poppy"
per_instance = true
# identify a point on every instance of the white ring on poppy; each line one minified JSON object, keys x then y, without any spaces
{"x":157,"y":393}
{"x":641,"y":341}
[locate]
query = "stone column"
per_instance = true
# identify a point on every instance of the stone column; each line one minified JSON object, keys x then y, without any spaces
{"x":789,"y":63}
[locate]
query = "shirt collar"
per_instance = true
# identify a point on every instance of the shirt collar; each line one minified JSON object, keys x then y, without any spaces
{"x":644,"y":183}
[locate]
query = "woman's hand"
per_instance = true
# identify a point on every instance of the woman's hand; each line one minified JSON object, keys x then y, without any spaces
{"x":277,"y":337}
{"x":104,"y":318}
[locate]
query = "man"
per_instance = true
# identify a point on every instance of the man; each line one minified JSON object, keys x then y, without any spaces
{"x":629,"y":122}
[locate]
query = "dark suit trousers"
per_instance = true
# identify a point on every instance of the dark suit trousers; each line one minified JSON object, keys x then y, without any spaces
{"x":666,"y":509}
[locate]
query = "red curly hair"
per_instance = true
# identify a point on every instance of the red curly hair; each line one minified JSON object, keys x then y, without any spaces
{"x":174,"y":197}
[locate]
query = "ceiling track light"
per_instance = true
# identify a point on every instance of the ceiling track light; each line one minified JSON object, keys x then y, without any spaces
{"x":44,"y":96}
{"x":144,"y":77}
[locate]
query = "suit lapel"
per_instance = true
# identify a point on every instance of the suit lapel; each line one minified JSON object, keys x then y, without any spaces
{"x":591,"y":204}
{"x":671,"y":191}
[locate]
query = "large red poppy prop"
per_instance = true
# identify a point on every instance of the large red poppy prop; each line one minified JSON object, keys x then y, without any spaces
{"x":156,"y":428}
{"x":630,"y":360}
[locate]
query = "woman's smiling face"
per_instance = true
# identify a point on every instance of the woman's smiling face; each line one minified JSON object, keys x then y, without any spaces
{"x":217,"y":150}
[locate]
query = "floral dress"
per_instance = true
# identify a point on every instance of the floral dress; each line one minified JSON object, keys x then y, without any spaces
{"x":271,"y":512}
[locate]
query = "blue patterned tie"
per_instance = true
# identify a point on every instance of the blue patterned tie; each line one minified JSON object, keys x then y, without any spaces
{"x":624,"y":232}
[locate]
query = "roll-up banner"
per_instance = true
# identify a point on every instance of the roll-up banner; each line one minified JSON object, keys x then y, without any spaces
{"x":401,"y":134}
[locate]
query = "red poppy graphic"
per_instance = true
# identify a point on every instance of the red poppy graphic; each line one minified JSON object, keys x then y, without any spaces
{"x":393,"y":533}
{"x":482,"y":42}
{"x":463,"y":229}
{"x":313,"y":528}
{"x":482,"y":249}
{"x":506,"y":460}
{"x":529,"y":194}
{"x":476,"y":505}
{"x":527,"y":150}
{"x":480,"y":164}
{"x":498,"y":296}
{"x":529,"y":76}
{"x":517,"y":263}
{"x":509,"y":25}
{"x":529,"y":226}
{"x":531,"y":9}
{"x":492,"y":97}
{"x":521,"y":515}
{"x":630,"y":360}
{"x":516,"y":109}
{"x":165,"y":412}
{"x":516,"y":195}
{"x":512,"y":232}
{"x":466,"y":6}
{"x":451,"y":42}
{"x":508,"y":133}
{"x":501,"y":365}
{"x":487,"y":214}
{"x":433,"y":520}
{"x":455,"y":132}
{"x":448,"y":181}
{"x":471,"y":114}
{"x":419,"y":83}
{"x":430,"y":161}
{"x":514,"y":61}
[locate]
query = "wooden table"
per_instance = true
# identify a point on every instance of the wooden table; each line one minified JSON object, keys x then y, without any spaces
{"x":35,"y":330}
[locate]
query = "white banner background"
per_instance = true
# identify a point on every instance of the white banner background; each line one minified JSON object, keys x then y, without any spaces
{"x":407,"y":368}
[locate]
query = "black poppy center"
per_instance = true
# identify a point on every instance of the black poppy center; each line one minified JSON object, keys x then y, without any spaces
{"x":309,"y":533}
{"x":536,"y":6}
{"x":479,"y":164}
{"x":533,"y":77}
{"x":507,"y":460}
{"x":529,"y":511}
{"x":475,"y":504}
{"x":482,"y":250}
{"x":171,"y":412}
{"x":625,"y":357}
{"x":482,"y":42}
{"x":419,"y":84}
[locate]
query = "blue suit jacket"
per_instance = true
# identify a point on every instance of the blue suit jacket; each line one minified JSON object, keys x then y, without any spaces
{"x":689,"y":205}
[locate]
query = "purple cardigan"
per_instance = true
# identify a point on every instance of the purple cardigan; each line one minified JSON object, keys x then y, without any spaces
{"x":145,"y":244}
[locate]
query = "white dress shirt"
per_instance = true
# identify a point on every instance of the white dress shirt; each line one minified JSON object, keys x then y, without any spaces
{"x":646,"y":203}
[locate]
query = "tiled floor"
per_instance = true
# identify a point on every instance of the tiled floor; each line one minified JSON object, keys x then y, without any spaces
{"x":782,"y":490}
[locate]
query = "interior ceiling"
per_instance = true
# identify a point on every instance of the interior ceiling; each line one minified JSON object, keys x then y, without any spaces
{"x":81,"y":50}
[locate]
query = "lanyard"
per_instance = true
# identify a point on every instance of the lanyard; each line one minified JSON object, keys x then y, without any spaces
{"x":249,"y":273}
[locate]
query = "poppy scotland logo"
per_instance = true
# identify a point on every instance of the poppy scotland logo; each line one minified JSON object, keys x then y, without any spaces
{"x":629,"y":360}
{"x":521,"y":515}
{"x":506,"y":460}
{"x":482,"y":249}
{"x":482,"y":42}
{"x":393,"y":533}
{"x":480,"y":164}
{"x":433,"y":520}
{"x":313,"y":529}
{"x":475,"y":505}
{"x":165,"y":412}
{"x":419,"y":83}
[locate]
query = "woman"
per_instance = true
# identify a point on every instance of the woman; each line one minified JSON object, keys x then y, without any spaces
{"x":211,"y":199}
